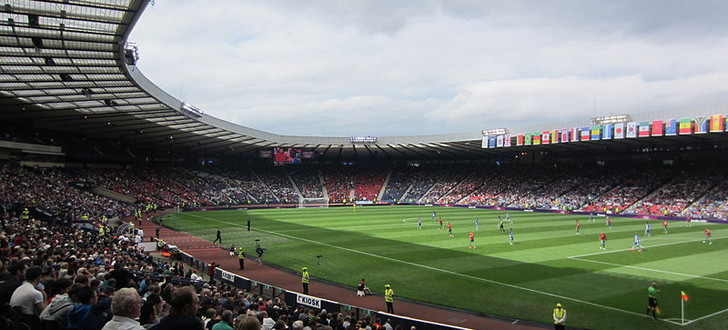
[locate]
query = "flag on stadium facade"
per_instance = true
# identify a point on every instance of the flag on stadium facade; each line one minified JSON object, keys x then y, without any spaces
{"x":527,"y":140}
{"x":574,"y":134}
{"x":608,"y":132}
{"x":546,"y":137}
{"x":619,"y":130}
{"x":585,"y":134}
{"x":644,"y":129}
{"x":564,"y":135}
{"x":670,"y":127}
{"x":701,"y":124}
{"x":507,"y":140}
{"x":519,"y":139}
{"x":657,"y":128}
{"x":596,"y":132}
{"x":536,"y":138}
{"x":491,"y":142}
{"x":685,"y":126}
{"x":631,"y":130}
{"x":684,"y":296}
{"x":555,"y":136}
{"x":484,"y":145}
{"x":499,"y":141}
{"x":717,"y":123}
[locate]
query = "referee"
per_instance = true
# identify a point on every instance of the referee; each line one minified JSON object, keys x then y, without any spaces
{"x":652,"y":308}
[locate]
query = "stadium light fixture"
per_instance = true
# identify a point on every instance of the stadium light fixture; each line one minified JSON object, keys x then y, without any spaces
{"x":495,"y":131}
{"x":131,"y":53}
{"x":613,"y":119}
{"x":190,"y":110}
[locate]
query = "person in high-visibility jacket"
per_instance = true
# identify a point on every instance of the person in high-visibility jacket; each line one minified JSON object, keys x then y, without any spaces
{"x":389,"y":298}
{"x":25,"y":216}
{"x":305,"y":278}
{"x":559,"y":317}
{"x":241,"y":257}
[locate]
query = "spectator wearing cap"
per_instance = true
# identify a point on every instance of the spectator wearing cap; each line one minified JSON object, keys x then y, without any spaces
{"x":29,"y":297}
{"x":126,"y":306}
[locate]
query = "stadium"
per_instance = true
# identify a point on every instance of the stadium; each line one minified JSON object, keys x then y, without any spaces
{"x":108,"y":181}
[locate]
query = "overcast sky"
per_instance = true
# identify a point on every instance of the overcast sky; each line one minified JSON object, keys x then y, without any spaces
{"x":416,"y":67}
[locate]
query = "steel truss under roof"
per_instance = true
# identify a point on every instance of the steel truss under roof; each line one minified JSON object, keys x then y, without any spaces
{"x":65,"y":66}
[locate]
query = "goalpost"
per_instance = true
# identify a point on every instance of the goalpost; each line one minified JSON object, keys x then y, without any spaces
{"x":313,"y":202}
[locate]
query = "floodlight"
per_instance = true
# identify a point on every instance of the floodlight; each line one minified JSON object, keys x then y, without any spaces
{"x":495,"y":131}
{"x":190,"y":110}
{"x":613,"y":119}
{"x":363,"y":139}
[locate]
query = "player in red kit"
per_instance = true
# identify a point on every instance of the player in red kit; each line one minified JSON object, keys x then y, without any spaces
{"x":471,"y":244}
{"x":602,"y":241}
{"x":707,"y":237}
{"x":664,"y":226}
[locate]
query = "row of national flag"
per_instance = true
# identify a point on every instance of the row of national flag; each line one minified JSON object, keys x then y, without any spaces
{"x":624,"y":130}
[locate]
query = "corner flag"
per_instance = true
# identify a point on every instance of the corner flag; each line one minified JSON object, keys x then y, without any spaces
{"x":683,"y":299}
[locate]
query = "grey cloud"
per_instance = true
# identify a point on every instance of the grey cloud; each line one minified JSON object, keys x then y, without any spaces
{"x":345,"y":67}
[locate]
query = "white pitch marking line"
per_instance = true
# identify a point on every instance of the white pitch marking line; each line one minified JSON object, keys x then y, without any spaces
{"x":644,"y":247}
{"x":649,"y":269}
{"x":706,"y":316}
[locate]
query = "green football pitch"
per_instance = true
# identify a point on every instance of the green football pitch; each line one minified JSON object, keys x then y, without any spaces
{"x":547,"y":264}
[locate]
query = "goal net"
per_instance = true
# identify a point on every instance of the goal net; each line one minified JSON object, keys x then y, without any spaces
{"x":313,"y":202}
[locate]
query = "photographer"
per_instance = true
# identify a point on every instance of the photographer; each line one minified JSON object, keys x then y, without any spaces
{"x":259,"y":252}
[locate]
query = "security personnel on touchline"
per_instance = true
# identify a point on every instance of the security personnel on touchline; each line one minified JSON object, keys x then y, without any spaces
{"x":241,"y":257}
{"x":305,"y":278}
{"x":389,"y":298}
{"x":559,"y":317}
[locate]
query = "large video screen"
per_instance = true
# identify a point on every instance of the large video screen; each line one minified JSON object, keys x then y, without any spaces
{"x":284,"y":156}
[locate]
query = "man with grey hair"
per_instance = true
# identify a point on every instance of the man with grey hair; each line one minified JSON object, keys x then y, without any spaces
{"x":126,"y":306}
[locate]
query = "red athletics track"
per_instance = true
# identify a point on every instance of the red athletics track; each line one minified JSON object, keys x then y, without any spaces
{"x":208,"y":252}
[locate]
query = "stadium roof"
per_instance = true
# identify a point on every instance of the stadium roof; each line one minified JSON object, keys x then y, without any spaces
{"x":66,"y":66}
